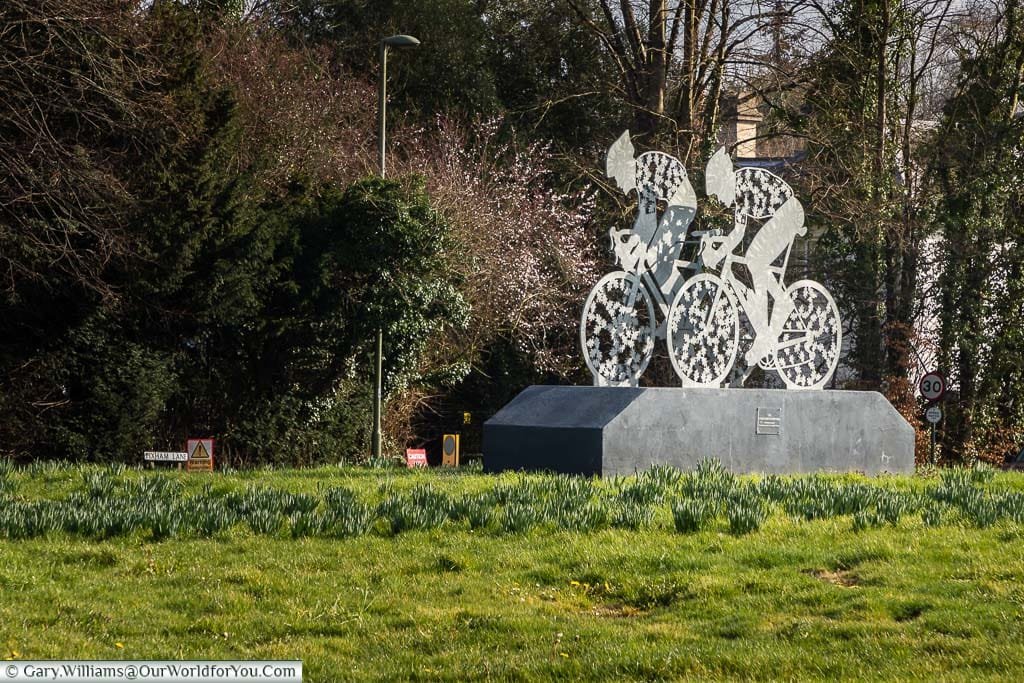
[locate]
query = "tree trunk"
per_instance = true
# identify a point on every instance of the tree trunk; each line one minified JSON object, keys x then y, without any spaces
{"x":685,"y":105}
{"x":656,"y":60}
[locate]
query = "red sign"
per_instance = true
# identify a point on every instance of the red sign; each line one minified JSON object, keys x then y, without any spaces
{"x":415,"y":457}
{"x":932,"y":386}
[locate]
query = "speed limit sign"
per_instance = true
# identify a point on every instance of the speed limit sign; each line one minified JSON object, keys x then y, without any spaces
{"x":933,"y":386}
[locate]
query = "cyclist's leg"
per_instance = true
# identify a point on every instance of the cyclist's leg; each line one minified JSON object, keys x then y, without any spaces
{"x":782,"y":306}
{"x":663,"y":251}
{"x":757,"y":312}
{"x":770,"y":242}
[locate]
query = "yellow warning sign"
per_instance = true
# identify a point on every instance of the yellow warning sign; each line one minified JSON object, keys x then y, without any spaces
{"x":200,"y":455}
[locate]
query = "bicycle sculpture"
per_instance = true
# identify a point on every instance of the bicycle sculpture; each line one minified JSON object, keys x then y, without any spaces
{"x":792,"y":330}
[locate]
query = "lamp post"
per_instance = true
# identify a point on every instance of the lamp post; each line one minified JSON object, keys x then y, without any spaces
{"x":382,"y":97}
{"x":397,"y":41}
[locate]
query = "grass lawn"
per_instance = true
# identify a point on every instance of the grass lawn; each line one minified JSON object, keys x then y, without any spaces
{"x":791,"y":599}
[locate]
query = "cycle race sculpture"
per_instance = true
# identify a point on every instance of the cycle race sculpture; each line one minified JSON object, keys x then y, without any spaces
{"x":696,"y":305}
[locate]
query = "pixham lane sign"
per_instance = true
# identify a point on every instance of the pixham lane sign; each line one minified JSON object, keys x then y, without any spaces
{"x":165,"y":456}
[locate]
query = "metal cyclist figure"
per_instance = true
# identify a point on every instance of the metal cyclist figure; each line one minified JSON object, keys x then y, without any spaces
{"x":618,"y":328}
{"x":796,"y":329}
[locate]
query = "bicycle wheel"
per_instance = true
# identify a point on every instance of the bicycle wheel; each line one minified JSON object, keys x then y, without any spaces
{"x":703,"y":331}
{"x":807,"y":351}
{"x":617,"y":329}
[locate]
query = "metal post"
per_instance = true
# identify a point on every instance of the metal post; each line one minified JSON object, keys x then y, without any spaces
{"x":382,"y":103}
{"x":381,"y":139}
{"x":931,"y":455}
{"x":377,"y":394}
{"x":382,"y":94}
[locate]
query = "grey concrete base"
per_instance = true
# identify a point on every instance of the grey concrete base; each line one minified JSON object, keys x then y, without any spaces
{"x":616,"y":431}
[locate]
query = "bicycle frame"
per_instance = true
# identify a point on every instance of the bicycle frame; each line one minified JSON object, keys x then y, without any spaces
{"x":642,"y":274}
{"x":741,"y":291}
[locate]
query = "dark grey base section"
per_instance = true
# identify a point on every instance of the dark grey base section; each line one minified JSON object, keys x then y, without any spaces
{"x":617,"y":431}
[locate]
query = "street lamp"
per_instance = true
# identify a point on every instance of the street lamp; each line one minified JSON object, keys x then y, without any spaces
{"x":397,"y":41}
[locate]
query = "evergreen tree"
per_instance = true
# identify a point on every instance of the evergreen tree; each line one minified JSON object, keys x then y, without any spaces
{"x":980,"y":173}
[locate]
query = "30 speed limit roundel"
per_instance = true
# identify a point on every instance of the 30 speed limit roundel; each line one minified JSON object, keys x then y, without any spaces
{"x":933,"y":386}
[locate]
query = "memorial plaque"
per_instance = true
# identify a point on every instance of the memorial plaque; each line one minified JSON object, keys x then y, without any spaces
{"x":769,"y":421}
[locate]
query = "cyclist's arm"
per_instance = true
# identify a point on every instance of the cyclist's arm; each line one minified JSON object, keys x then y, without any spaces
{"x":729,"y":242}
{"x":732,"y":240}
{"x":718,"y":247}
{"x":626,"y":245}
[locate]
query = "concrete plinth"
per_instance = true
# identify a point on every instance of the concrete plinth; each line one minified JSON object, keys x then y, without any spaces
{"x":617,"y":431}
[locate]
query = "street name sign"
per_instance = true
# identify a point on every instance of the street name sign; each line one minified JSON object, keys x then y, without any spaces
{"x":165,"y":456}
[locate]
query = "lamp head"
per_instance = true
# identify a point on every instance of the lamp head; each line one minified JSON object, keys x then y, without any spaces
{"x":400,"y":40}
